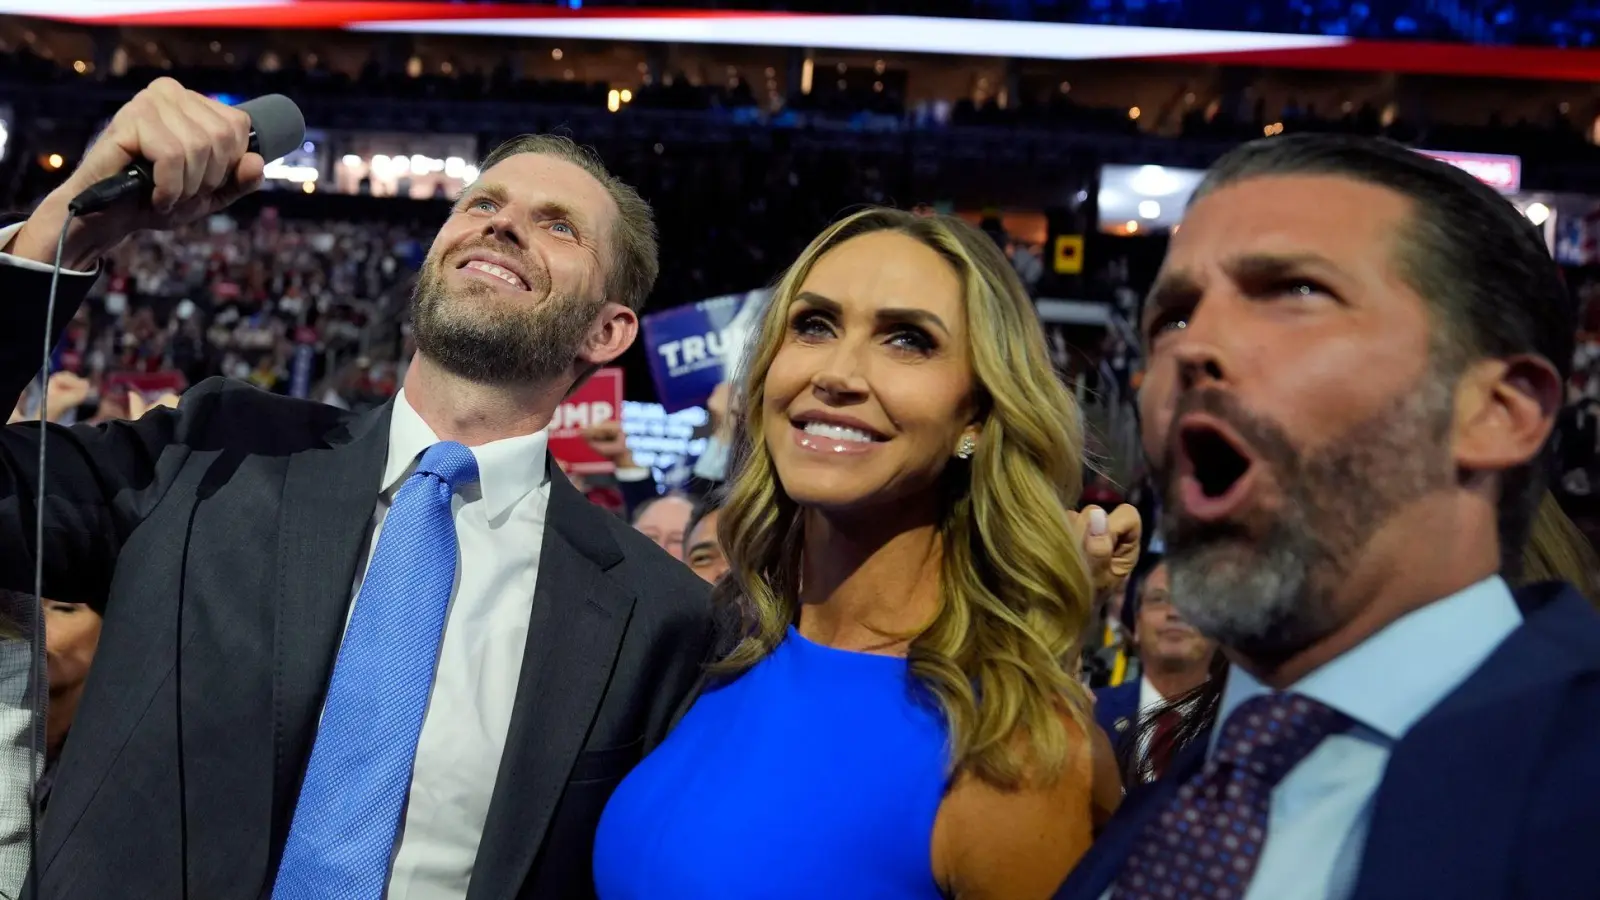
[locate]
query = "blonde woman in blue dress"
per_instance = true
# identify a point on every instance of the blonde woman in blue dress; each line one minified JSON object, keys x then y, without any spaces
{"x":898,"y":713}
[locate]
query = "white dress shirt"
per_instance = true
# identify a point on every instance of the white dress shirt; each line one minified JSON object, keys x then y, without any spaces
{"x":499,"y":530}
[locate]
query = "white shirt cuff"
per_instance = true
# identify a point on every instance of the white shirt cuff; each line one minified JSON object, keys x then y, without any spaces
{"x":6,"y":259}
{"x":636,"y":473}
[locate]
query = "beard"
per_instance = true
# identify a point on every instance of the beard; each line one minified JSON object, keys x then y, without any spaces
{"x":473,"y":332}
{"x":1266,"y":585}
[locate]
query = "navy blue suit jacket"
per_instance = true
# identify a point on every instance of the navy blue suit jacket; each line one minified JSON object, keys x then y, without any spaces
{"x":1116,"y":710}
{"x":1493,"y":795}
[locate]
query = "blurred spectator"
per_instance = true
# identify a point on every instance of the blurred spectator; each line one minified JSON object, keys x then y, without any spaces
{"x":665,"y":520}
{"x":702,"y":548}
{"x":71,"y":636}
{"x":233,"y":297}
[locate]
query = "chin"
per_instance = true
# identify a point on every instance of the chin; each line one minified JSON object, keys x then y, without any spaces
{"x":827,"y":491}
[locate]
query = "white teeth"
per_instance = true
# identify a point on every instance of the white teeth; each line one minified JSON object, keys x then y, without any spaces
{"x":506,"y":275}
{"x":837,"y":432}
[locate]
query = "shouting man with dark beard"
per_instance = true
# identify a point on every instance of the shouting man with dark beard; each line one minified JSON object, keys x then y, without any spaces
{"x":394,"y":654}
{"x":1356,"y":355}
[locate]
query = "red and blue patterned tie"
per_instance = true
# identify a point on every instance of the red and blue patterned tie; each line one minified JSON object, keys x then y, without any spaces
{"x":1208,"y":840}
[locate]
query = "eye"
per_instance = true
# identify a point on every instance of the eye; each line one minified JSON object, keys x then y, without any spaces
{"x":1172,"y":320}
{"x":907,"y":337}
{"x":811,"y":325}
{"x":1298,"y":288}
{"x":564,"y":228}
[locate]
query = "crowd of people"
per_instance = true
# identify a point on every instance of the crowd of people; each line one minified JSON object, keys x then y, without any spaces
{"x":444,"y":667}
{"x":239,"y":297}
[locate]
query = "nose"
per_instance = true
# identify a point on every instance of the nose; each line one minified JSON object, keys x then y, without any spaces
{"x":839,"y":379}
{"x":504,"y":226}
{"x":1200,"y":366}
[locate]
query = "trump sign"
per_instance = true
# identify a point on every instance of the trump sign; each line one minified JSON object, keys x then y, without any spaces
{"x":695,"y":347}
{"x":598,"y":400}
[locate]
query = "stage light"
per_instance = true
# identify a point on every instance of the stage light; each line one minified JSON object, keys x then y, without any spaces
{"x":1537,"y":213}
{"x":1149,"y":209}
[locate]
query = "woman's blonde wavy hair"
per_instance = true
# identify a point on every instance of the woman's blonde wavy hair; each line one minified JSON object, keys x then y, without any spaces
{"x":1014,"y":590}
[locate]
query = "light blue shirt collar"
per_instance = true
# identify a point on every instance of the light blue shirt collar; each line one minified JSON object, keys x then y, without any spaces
{"x":1391,"y":680}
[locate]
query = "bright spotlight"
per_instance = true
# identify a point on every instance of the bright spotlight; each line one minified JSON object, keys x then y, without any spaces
{"x":1537,"y":213}
{"x":1149,"y":209}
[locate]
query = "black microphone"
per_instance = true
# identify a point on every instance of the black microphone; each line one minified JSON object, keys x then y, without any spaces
{"x":276,"y":128}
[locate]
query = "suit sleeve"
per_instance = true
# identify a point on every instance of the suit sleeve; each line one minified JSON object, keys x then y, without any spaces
{"x":97,"y":481}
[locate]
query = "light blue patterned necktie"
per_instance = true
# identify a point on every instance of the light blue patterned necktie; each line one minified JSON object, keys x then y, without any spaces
{"x":344,"y":825}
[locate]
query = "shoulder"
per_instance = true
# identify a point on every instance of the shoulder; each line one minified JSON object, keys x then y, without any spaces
{"x":653,"y":574}
{"x":1561,"y":618}
{"x":991,"y":842}
{"x":1126,"y":692}
{"x":232,"y":409}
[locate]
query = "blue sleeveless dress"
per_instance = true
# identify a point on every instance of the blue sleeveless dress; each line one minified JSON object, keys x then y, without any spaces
{"x":816,"y":774}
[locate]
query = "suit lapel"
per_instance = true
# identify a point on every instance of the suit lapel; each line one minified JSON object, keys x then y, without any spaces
{"x":329,"y":497}
{"x":1473,"y":758}
{"x":578,"y":621}
{"x":1094,"y":874}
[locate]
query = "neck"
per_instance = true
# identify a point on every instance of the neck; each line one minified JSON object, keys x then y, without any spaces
{"x":472,"y":413}
{"x":868,"y":583}
{"x":1394,"y":574}
{"x":1173,"y":680}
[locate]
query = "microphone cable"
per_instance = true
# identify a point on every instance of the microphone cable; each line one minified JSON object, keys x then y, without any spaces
{"x":38,"y":667}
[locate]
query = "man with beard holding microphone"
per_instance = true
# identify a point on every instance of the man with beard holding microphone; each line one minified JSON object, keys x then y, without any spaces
{"x":394,"y":654}
{"x":1356,"y":356}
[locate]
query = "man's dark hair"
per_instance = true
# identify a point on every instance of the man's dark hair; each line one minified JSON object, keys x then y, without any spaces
{"x":1481,"y":265}
{"x":638,"y":512}
{"x":703,"y":507}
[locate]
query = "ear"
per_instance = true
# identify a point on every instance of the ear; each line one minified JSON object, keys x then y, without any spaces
{"x":1505,"y":411}
{"x":613,"y":333}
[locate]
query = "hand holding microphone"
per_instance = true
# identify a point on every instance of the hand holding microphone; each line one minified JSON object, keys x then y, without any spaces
{"x":193,"y":155}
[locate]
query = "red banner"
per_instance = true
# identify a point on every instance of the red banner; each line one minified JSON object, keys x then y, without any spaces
{"x":150,"y":385}
{"x":598,"y":400}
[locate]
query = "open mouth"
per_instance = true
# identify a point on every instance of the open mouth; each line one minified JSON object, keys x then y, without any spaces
{"x":1216,"y":470}
{"x":496,"y":271}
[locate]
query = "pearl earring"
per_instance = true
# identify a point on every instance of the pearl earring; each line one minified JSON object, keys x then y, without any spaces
{"x":968,"y":446}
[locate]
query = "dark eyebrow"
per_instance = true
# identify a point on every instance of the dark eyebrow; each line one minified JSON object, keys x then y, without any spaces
{"x":1179,"y":289}
{"x":1255,"y":268}
{"x":897,"y":315}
